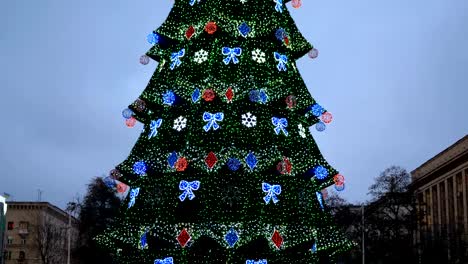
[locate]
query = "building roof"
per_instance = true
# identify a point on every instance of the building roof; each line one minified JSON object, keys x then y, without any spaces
{"x":15,"y":205}
{"x":457,"y":152}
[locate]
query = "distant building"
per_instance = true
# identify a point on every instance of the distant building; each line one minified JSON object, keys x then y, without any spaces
{"x":3,"y":211}
{"x":37,"y":230}
{"x":440,"y":186}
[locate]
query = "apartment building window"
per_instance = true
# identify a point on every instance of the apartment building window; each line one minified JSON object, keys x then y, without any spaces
{"x":11,"y":225}
{"x":10,"y":240}
{"x":23,"y":241}
{"x":7,"y":255}
{"x":23,"y":225}
{"x":22,"y":256}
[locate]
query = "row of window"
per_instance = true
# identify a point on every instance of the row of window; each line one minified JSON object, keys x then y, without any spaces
{"x":22,"y":225}
{"x":8,"y":255}
{"x":10,"y":241}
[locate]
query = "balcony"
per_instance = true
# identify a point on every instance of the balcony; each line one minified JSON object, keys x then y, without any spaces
{"x":23,"y":232}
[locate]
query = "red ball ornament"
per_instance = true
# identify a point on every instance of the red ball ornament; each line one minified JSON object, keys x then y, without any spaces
{"x":327,"y":117}
{"x":208,"y":95}
{"x":291,"y":101}
{"x":284,"y":166}
{"x":211,"y":27}
{"x":338,"y":179}
{"x":130,"y":122}
{"x":296,"y":3}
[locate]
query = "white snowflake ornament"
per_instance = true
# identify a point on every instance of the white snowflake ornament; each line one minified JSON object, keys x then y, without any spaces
{"x":301,"y":131}
{"x":258,"y":56}
{"x":201,"y":56}
{"x":249,"y":120}
{"x":180,"y":123}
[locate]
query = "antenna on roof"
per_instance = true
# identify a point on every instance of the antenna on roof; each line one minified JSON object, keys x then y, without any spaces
{"x":39,"y":195}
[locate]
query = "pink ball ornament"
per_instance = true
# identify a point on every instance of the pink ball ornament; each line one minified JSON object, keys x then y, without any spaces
{"x":313,"y":53}
{"x":327,"y":117}
{"x":130,"y":122}
{"x":296,"y":3}
{"x":144,"y":59}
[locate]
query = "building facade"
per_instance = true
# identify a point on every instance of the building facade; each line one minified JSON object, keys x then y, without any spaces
{"x":37,"y":233}
{"x":440,"y":186}
{"x":3,"y":211}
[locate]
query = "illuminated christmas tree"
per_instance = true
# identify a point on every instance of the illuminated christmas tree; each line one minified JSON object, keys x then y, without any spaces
{"x":225,"y":170}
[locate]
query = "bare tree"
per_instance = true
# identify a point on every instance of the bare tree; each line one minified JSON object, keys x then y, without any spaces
{"x":50,"y":238}
{"x":392,"y":180}
{"x":390,"y":217}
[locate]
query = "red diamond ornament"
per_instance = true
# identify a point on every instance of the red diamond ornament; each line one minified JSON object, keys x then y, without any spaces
{"x":277,"y":239}
{"x":190,"y":31}
{"x":183,"y":238}
{"x":229,"y":95}
{"x":211,"y":160}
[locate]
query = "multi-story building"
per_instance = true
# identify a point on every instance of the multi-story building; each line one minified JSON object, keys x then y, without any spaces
{"x":440,"y":186}
{"x":3,"y":211}
{"x":37,"y":231}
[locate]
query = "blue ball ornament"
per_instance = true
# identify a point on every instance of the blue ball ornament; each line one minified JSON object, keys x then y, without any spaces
{"x":280,"y":34}
{"x":152,"y":38}
{"x":320,"y":126}
{"x":320,"y":172}
{"x":317,"y":110}
{"x":127,"y":113}
{"x":169,"y":98}
{"x":254,"y":96}
{"x":233,"y":164}
{"x":139,"y":167}
{"x":340,"y":188}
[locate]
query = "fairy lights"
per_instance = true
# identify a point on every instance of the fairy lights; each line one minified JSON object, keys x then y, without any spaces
{"x":226,"y":116}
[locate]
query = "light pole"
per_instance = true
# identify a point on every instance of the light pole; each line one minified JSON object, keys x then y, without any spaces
{"x":69,"y":237}
{"x":363,"y":237}
{"x":70,"y":208}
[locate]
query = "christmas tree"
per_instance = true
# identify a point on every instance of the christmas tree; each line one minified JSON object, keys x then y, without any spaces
{"x":225,"y":169}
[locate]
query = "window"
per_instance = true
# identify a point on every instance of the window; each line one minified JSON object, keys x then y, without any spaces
{"x":11,"y":225}
{"x":10,"y":240}
{"x":23,"y":241}
{"x":22,"y":255}
{"x":7,"y":255}
{"x":23,"y":225}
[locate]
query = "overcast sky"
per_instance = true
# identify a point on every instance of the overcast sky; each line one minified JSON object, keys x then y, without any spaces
{"x":393,"y":73}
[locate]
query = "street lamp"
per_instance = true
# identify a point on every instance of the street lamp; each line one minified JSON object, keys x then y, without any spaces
{"x":71,"y":207}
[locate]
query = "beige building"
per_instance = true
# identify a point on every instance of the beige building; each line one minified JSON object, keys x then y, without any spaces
{"x":36,"y":233}
{"x":441,"y":189}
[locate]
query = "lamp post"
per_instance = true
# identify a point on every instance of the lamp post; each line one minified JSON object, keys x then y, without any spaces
{"x":363,"y":238}
{"x":71,"y":207}
{"x":69,"y":237}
